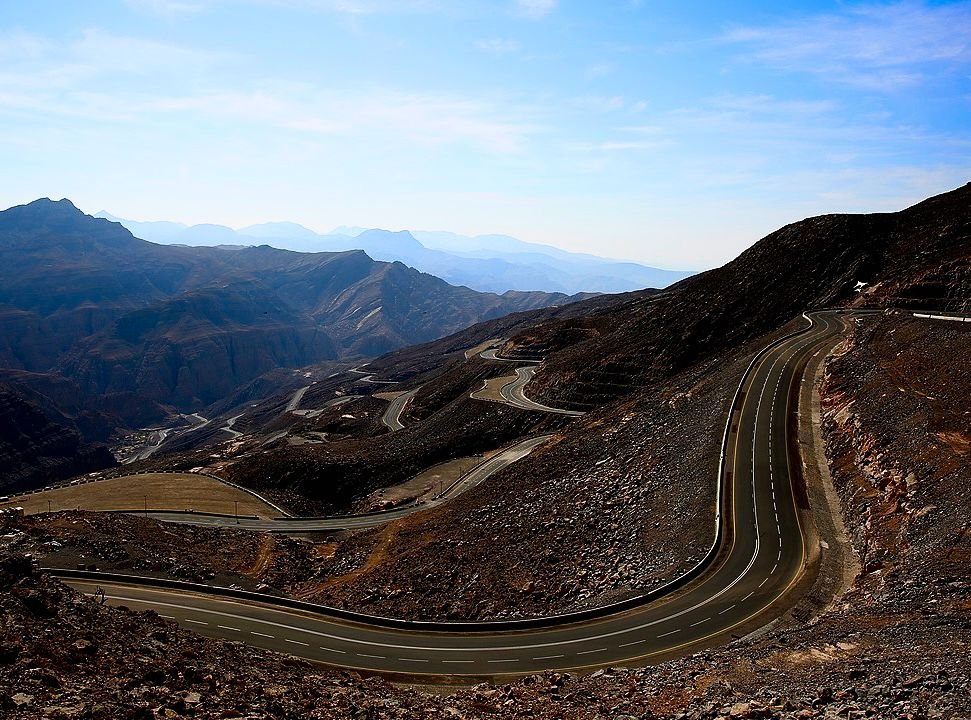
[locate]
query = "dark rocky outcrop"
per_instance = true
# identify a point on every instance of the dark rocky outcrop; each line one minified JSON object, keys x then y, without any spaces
{"x":35,"y":451}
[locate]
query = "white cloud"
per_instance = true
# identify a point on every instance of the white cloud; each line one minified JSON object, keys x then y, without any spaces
{"x":598,"y":70}
{"x":535,"y":9}
{"x":499,"y":46}
{"x":113,"y":79}
{"x":875,"y":47}
{"x":169,"y":7}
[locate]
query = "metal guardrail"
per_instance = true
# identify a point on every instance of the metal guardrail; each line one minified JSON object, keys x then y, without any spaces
{"x":955,"y":318}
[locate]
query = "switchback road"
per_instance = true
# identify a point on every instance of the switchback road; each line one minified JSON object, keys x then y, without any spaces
{"x":758,"y":559}
{"x":512,"y":391}
{"x":392,"y":415}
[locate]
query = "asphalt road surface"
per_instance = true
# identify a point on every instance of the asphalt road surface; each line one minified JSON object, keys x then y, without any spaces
{"x":493,"y":354}
{"x":480,"y":473}
{"x":763,"y":558}
{"x":512,"y":393}
{"x":392,"y":415}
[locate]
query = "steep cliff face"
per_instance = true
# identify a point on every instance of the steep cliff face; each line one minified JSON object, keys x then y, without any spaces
{"x":196,"y":348}
{"x":34,"y":450}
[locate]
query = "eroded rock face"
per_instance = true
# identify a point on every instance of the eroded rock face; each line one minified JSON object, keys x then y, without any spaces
{"x":898,"y":435}
{"x":34,"y":450}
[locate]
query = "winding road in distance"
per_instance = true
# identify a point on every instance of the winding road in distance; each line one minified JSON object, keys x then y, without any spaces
{"x":479,"y":474}
{"x":391,"y":418}
{"x":758,"y":561}
{"x":512,"y":392}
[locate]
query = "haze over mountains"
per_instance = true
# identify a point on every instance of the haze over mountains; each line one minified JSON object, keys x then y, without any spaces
{"x":105,"y":330}
{"x":489,"y":263}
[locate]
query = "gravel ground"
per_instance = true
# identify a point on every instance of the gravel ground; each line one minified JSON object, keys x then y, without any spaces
{"x":896,"y":645}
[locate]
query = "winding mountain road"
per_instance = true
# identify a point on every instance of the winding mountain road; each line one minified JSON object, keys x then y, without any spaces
{"x":478,"y":474}
{"x":512,"y":391}
{"x":757,"y":564}
{"x":391,"y":418}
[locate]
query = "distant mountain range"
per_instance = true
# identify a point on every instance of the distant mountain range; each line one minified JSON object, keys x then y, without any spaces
{"x":107,"y":330}
{"x":488,"y":263}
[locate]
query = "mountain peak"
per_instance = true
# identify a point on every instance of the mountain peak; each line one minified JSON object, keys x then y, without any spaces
{"x":46,"y":204}
{"x":44,"y":211}
{"x":398,"y":238}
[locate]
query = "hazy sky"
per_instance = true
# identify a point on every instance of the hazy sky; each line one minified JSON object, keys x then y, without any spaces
{"x":675,"y":133}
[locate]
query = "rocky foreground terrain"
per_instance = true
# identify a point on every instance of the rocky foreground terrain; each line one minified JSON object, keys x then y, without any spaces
{"x":895,"y":644}
{"x":66,"y":656}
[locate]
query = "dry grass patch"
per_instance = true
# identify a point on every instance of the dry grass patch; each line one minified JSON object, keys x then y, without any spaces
{"x":160,"y":491}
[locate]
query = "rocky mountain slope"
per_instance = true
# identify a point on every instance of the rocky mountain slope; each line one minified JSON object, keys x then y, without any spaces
{"x":35,"y":451}
{"x":893,"y":645}
{"x":917,"y":258}
{"x":601,"y":352}
{"x":621,"y":498}
{"x":142,"y":329}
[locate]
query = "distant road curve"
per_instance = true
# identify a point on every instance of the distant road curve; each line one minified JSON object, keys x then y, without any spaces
{"x":391,"y":418}
{"x":369,"y":377}
{"x":757,"y":566}
{"x":512,"y":393}
{"x":295,"y":400}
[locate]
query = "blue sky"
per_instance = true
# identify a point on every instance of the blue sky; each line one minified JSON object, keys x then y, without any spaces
{"x":674,"y":133}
